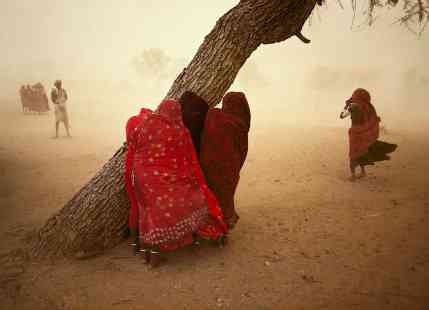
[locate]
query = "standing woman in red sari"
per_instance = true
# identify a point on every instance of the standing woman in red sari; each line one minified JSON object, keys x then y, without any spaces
{"x":364,"y":146}
{"x":131,"y":129}
{"x":224,"y":144}
{"x":174,"y":202}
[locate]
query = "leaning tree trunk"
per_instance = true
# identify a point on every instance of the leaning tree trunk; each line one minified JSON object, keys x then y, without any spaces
{"x":96,"y":217}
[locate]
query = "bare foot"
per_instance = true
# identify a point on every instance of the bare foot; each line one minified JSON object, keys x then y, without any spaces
{"x":362,"y":175}
{"x":196,"y":241}
{"x":156,"y":259}
{"x":232,"y":221}
{"x":222,"y":241}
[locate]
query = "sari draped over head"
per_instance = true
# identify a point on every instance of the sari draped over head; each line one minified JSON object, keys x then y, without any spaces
{"x":224,"y":145}
{"x":173,"y":199}
{"x":194,"y":111}
{"x":132,"y":127}
{"x":365,"y":132}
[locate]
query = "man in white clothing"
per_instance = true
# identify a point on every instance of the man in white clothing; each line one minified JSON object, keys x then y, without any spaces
{"x":59,"y":98}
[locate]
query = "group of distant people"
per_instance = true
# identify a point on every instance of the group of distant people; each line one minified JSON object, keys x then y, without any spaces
{"x":183,"y":166}
{"x":34,"y":99}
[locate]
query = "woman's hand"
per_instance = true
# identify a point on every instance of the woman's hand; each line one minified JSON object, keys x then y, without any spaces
{"x":344,"y":114}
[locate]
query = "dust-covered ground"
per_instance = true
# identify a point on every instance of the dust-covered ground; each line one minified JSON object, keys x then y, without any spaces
{"x":307,"y":237}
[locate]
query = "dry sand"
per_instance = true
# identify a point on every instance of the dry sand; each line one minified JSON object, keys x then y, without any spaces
{"x":307,"y":237}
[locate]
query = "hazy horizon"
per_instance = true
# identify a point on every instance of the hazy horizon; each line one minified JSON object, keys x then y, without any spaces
{"x":119,"y":56}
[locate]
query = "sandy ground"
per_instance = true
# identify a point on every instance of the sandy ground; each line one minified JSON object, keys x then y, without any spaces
{"x":307,"y":238}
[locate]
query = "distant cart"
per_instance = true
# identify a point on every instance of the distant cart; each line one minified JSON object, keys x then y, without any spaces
{"x":34,"y":99}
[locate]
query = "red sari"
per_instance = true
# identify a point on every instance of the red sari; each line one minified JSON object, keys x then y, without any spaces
{"x":194,"y":112}
{"x":173,"y":199}
{"x":365,"y":132}
{"x":131,"y":129}
{"x":224,"y":145}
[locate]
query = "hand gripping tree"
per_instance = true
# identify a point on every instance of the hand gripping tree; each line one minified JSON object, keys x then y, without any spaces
{"x":96,"y":217}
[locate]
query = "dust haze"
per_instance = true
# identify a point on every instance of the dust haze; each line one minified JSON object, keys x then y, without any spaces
{"x":305,"y":234}
{"x":111,"y":70}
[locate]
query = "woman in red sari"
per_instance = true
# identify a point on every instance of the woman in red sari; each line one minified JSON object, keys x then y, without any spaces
{"x":131,"y":130}
{"x":174,"y":202}
{"x":224,"y":145}
{"x":365,"y":148}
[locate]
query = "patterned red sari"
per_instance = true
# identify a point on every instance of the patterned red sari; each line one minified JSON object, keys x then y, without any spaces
{"x":173,"y":199}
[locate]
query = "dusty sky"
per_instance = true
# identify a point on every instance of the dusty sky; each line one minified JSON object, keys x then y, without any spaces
{"x":91,"y":46}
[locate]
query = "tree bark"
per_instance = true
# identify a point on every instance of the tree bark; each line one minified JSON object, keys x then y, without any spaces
{"x":233,"y":39}
{"x":96,"y":217}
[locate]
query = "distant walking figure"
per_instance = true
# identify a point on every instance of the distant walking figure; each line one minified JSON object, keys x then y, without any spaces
{"x":59,"y":98}
{"x":364,"y":146}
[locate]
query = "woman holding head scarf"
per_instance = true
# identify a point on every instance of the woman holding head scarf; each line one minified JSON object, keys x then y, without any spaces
{"x":224,"y":146}
{"x":173,"y":199}
{"x":364,"y":146}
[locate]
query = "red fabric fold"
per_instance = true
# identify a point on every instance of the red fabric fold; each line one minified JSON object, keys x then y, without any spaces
{"x":224,"y":146}
{"x":194,"y":111}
